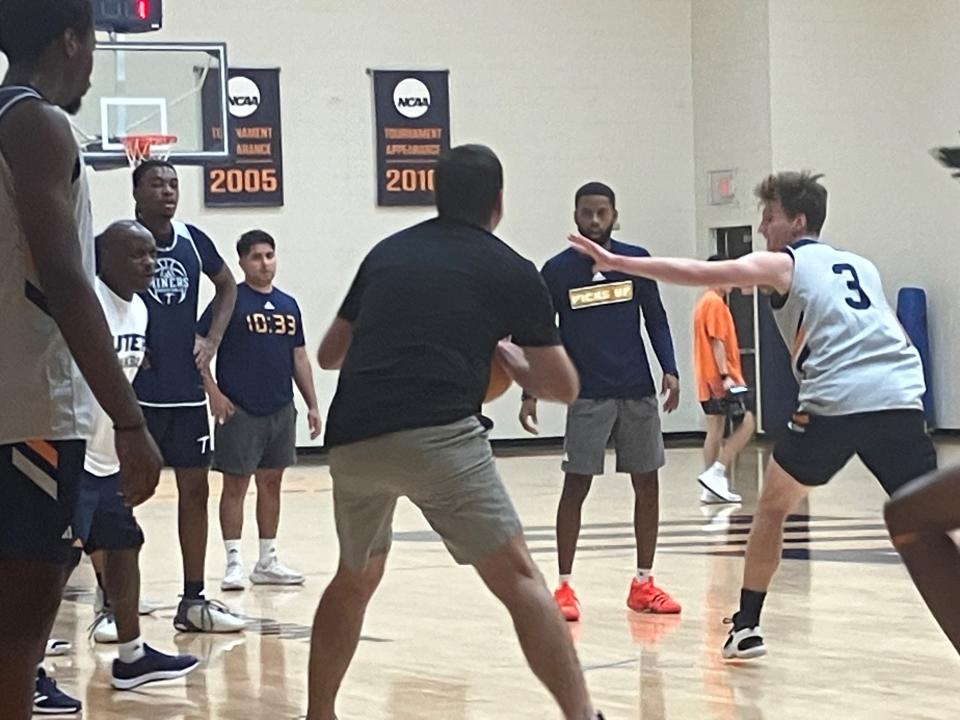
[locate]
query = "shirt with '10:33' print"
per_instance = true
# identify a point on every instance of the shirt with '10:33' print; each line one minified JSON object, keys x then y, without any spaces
{"x":255,"y":359}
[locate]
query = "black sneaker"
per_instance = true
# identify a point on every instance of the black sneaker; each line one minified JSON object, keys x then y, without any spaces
{"x":154,"y":666}
{"x":48,"y":699}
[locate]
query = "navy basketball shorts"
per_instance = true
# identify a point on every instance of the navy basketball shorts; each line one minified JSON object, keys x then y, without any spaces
{"x":893,"y":444}
{"x":101,"y":521}
{"x":182,"y":434}
{"x":39,"y":485}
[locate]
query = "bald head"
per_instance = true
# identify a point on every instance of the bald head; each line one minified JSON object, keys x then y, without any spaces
{"x":128,"y":257}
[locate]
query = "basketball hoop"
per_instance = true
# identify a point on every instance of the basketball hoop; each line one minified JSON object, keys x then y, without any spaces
{"x":147,"y":147}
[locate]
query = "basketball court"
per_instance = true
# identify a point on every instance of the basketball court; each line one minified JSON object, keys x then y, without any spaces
{"x":848,"y":634}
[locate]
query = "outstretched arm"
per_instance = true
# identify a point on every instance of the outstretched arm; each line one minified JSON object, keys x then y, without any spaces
{"x":764,"y":269}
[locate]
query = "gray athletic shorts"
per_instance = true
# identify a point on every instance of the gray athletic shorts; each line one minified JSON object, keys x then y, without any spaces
{"x":634,"y":426}
{"x":447,"y":471}
{"x":246,"y":443}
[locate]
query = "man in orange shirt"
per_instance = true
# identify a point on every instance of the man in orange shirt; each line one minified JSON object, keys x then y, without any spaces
{"x":722,"y":392}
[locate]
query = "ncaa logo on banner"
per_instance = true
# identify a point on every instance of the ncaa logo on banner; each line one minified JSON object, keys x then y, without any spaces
{"x":411,"y":98}
{"x":243,"y":96}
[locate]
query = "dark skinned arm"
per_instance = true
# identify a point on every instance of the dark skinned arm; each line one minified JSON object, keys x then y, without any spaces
{"x":38,"y":145}
{"x":224,"y":299}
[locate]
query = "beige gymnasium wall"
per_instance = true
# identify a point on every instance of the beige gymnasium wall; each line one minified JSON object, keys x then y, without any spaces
{"x":563,"y":96}
{"x":860,"y":90}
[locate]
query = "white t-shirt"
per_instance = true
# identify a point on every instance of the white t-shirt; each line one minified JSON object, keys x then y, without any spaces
{"x":128,"y":325}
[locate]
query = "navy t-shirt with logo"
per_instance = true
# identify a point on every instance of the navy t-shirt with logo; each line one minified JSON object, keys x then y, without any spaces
{"x":600,"y":324}
{"x":169,"y":376}
{"x":255,"y":359}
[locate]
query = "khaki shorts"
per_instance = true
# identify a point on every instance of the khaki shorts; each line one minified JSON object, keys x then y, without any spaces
{"x":447,"y":471}
{"x":633,"y":425}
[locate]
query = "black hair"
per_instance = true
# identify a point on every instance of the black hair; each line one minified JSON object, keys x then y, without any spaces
{"x":29,"y":27}
{"x":717,"y":258}
{"x":596,"y":188}
{"x":468,"y":182}
{"x":251,"y":238}
{"x":147,"y":165}
{"x":797,"y":192}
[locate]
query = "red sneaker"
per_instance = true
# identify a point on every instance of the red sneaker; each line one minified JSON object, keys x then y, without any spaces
{"x":647,"y":597}
{"x":567,"y":602}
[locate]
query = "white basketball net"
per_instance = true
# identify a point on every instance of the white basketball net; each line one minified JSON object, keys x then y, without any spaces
{"x":147,"y":147}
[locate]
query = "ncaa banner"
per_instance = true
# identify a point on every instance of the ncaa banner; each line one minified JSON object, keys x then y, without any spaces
{"x":413,"y":128}
{"x":255,"y":177}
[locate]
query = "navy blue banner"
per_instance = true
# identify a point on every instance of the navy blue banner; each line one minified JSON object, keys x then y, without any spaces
{"x":255,"y":177}
{"x":413,"y":128}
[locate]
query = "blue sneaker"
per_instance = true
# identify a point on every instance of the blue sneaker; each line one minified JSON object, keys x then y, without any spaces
{"x":152,"y":667}
{"x":49,"y":700}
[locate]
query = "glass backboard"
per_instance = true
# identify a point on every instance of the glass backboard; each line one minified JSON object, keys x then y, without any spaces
{"x":156,"y":88}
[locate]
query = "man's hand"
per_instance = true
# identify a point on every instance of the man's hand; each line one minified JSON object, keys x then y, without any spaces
{"x":728,"y":382}
{"x":221,"y":406}
{"x":140,"y":465}
{"x":528,"y":416}
{"x":670,"y":390}
{"x":603,"y":260}
{"x":313,"y":420}
{"x":203,"y":351}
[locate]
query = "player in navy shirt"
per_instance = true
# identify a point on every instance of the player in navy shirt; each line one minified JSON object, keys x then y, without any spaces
{"x":600,"y":315}
{"x":169,"y":385}
{"x":261,"y":354}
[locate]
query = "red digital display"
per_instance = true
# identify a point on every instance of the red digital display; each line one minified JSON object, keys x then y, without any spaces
{"x":128,"y":16}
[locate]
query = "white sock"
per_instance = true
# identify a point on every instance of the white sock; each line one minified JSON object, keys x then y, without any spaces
{"x":565,"y":579}
{"x":643,"y":574}
{"x":268,"y":550}
{"x":233,"y":551}
{"x":130,"y":652}
{"x":719,"y":468}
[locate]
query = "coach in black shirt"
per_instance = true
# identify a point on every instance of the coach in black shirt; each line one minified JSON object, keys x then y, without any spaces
{"x":414,"y":340}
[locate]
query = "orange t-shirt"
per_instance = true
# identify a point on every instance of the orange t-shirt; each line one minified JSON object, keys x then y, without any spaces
{"x":712,"y":321}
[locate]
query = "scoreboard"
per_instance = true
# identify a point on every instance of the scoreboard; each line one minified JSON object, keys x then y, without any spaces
{"x":128,"y":16}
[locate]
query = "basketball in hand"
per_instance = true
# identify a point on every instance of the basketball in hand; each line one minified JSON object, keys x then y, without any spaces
{"x":499,"y":382}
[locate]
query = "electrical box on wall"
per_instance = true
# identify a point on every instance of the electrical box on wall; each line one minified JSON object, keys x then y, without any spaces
{"x":723,"y":190}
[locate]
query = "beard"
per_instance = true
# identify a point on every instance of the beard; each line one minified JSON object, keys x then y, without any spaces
{"x":604,"y":237}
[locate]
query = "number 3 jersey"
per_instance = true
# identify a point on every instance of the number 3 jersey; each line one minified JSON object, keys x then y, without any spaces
{"x":848,"y":350}
{"x":255,"y":359}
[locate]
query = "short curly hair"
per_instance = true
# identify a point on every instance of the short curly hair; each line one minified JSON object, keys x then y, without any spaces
{"x":797,"y":192}
{"x":28,"y":27}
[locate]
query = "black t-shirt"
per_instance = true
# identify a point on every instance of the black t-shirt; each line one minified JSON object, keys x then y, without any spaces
{"x":428,"y":307}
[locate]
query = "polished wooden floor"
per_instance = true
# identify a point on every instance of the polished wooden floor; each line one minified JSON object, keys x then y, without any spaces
{"x":848,"y":635}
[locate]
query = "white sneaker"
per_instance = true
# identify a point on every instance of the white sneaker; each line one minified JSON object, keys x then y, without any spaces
{"x":232,"y":577}
{"x":715,"y":488}
{"x":744,"y":644}
{"x":57,"y":647}
{"x":146,"y":607}
{"x":202,"y":615}
{"x":104,"y":628}
{"x":273,"y":573}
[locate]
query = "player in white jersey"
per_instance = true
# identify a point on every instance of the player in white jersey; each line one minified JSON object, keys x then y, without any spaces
{"x":861,"y":381}
{"x":49,"y":313}
{"x":102,"y":522}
